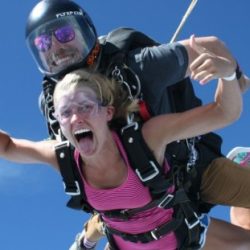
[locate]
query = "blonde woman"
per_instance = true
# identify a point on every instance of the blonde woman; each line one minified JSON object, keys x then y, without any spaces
{"x":86,"y":105}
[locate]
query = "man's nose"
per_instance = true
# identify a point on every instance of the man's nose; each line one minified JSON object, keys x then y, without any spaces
{"x":55,"y":42}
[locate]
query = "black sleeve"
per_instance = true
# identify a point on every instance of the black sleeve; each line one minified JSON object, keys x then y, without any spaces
{"x":159,"y":66}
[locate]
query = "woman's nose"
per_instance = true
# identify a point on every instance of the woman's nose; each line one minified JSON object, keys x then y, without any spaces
{"x":76,"y":117}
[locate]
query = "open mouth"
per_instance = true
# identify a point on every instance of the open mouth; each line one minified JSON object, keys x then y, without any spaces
{"x":83,"y":134}
{"x":60,"y":61}
{"x":65,"y":57}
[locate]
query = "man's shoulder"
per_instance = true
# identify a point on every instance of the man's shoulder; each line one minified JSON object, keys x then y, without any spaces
{"x":126,"y":39}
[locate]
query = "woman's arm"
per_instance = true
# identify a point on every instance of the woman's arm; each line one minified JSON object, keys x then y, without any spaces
{"x":240,"y":217}
{"x":244,"y":82}
{"x":26,"y":151}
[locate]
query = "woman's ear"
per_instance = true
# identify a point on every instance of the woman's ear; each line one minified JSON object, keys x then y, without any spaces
{"x":110,"y":112}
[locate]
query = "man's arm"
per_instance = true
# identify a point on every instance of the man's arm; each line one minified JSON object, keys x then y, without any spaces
{"x":200,"y":65}
{"x":219,"y":49}
{"x":91,"y":234}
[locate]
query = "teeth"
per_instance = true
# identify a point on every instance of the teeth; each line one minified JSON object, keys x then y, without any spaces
{"x":84,"y":130}
{"x":60,"y":61}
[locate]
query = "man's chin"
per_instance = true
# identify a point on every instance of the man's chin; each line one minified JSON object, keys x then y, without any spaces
{"x":61,"y":65}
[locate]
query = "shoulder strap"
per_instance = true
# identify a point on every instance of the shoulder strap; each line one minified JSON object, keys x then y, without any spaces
{"x":143,"y":161}
{"x":72,"y":182}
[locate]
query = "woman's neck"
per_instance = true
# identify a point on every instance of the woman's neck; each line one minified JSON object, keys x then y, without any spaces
{"x":107,"y":169}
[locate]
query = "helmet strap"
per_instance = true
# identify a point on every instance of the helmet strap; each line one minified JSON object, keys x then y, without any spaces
{"x":93,"y":55}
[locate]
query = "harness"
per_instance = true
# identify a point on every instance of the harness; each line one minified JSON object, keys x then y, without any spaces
{"x":150,"y":173}
{"x":185,"y":200}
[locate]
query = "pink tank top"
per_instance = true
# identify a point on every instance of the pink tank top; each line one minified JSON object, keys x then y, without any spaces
{"x":131,"y":194}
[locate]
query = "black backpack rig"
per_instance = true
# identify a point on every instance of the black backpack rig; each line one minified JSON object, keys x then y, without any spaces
{"x":187,"y":160}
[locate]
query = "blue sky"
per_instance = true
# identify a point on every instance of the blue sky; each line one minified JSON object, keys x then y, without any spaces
{"x":32,"y":202}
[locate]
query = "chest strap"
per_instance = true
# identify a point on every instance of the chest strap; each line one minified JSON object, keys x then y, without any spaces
{"x":188,"y":235}
{"x":185,"y":222}
{"x":148,"y":236}
{"x":167,"y":201}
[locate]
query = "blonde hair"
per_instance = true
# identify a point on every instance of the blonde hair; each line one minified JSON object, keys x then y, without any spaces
{"x":108,"y":92}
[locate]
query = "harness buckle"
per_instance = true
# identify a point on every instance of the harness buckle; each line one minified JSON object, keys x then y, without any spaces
{"x":131,"y":124}
{"x":153,"y":234}
{"x":149,"y":176}
{"x":167,"y":199}
{"x":72,"y":192}
{"x":192,"y":224}
{"x":124,"y":214}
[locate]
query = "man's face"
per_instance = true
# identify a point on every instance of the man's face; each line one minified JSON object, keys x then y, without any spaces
{"x":60,"y":43}
{"x":60,"y":48}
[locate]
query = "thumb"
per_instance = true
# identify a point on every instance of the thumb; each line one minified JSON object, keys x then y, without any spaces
{"x":195,"y":46}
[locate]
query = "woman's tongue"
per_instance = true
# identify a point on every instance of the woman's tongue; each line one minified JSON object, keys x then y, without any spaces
{"x":86,"y":144}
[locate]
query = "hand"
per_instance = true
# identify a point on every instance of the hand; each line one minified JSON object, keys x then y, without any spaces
{"x":208,"y":66}
{"x":77,"y":244}
{"x":94,"y":228}
{"x":93,"y":231}
{"x":244,"y":83}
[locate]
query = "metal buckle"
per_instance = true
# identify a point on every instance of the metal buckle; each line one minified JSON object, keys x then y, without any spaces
{"x":124,"y":214}
{"x":73,"y":193}
{"x":165,"y":201}
{"x":153,"y":234}
{"x":195,"y":223}
{"x":151,"y":176}
{"x":61,"y":144}
{"x":135,"y":124}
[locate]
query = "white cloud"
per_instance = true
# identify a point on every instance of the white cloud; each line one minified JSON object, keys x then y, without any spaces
{"x":25,"y":179}
{"x":10,"y":170}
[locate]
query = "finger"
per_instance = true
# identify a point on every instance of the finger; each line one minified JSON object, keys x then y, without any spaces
{"x":206,"y":79}
{"x":203,"y":75}
{"x":195,"y":46}
{"x":207,"y":66}
{"x":198,"y":61}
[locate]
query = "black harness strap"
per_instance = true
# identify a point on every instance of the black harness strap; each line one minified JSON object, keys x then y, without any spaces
{"x":191,"y":221}
{"x":70,"y":182}
{"x":166,"y":201}
{"x":143,"y":162}
{"x":73,"y":185}
{"x":152,"y":235}
{"x":185,"y":222}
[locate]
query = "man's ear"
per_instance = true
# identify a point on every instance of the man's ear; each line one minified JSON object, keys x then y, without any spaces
{"x":110,"y":112}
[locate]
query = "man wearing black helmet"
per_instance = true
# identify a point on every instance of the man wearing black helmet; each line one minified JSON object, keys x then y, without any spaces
{"x":63,"y":24}
{"x":62,"y":37}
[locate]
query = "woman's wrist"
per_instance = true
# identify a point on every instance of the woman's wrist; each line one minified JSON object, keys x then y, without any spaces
{"x":88,"y":244}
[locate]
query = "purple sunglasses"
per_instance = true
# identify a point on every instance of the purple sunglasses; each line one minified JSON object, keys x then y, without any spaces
{"x":63,"y":35}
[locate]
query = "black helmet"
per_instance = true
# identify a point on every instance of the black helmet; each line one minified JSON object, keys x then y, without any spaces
{"x":66,"y":24}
